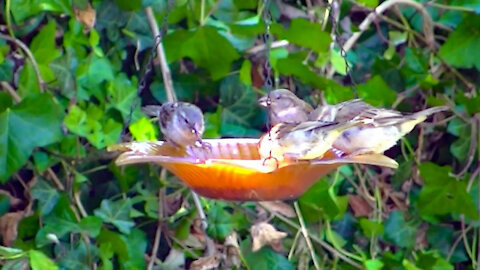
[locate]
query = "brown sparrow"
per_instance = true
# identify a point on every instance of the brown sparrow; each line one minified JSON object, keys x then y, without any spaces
{"x":285,"y":107}
{"x":181,"y":123}
{"x":301,"y":141}
{"x":382,"y":130}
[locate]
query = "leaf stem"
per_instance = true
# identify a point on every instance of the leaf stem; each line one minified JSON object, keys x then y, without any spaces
{"x":305,"y":235}
{"x":30,"y":56}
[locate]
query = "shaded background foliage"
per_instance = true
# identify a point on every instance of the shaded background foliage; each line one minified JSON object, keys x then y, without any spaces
{"x":64,"y":203}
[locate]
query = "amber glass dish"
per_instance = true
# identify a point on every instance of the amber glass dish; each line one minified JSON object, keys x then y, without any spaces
{"x":231,"y":169}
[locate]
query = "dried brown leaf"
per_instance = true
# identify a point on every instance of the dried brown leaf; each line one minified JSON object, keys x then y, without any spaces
{"x":8,"y":226}
{"x":359,"y":205}
{"x":265,"y":234}
{"x":87,"y":17}
{"x":232,"y":251}
{"x":279,"y":207}
{"x":205,"y":263}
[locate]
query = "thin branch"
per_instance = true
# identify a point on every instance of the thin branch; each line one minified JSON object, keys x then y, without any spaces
{"x":161,"y":215}
{"x":427,"y":21}
{"x":9,"y":89}
{"x":319,"y":241}
{"x":262,"y":47}
{"x":305,"y":235}
{"x":166,"y":74}
{"x":55,"y":179}
{"x":30,"y":56}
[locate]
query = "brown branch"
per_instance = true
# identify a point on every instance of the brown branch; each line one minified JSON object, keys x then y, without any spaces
{"x":30,"y":56}
{"x":166,"y":74}
{"x":427,"y":21}
{"x":9,"y":89}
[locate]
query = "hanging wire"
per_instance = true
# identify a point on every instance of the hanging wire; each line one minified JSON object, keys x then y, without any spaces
{"x":334,"y":15}
{"x":149,"y":71}
{"x":268,"y":82}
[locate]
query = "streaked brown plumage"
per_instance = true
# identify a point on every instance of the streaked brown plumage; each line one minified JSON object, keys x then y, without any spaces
{"x":382,"y":130}
{"x":301,"y":141}
{"x":285,"y":107}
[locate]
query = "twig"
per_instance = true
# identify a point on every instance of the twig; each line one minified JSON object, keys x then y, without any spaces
{"x":79,"y":204}
{"x":427,"y":21}
{"x":171,"y":97}
{"x":214,"y":7}
{"x":448,"y":7}
{"x":161,"y":215}
{"x":166,"y":74}
{"x":457,"y":241}
{"x":55,"y":179}
{"x":305,"y":235}
{"x":30,"y":56}
{"x":262,"y":47}
{"x":319,"y":241}
{"x":473,"y":147}
{"x":9,"y":89}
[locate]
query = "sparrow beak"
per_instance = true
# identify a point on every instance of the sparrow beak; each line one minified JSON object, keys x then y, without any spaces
{"x":263,"y":101}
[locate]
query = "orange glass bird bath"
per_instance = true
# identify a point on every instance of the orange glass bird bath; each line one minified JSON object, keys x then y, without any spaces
{"x":232,"y":168}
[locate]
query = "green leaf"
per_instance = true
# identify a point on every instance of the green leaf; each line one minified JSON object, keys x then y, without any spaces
{"x":130,"y":5}
{"x":399,"y":231}
{"x":7,"y":253}
{"x":220,"y":222}
{"x":6,"y":70}
{"x":206,"y":47}
{"x":473,"y":4}
{"x":373,"y":264}
{"x":369,"y":3}
{"x":116,"y":213}
{"x":39,"y":261}
{"x":43,"y":45}
{"x":100,"y":129}
{"x":5,"y":101}
{"x":36,"y":114}
{"x":443,"y":194}
{"x":266,"y":259}
{"x":318,"y":201}
{"x":371,"y":228}
{"x":245,"y":73}
{"x":461,"y":47}
{"x":300,"y":29}
{"x":376,"y":92}
{"x":432,"y":260}
{"x":240,"y":109}
{"x":22,"y":9}
{"x":122,"y":92}
{"x":143,"y":130}
{"x":46,"y":195}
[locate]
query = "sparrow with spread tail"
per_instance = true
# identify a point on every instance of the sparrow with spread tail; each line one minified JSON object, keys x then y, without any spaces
{"x":382,"y":128}
{"x":181,"y":123}
{"x":301,"y":141}
{"x":285,"y":107}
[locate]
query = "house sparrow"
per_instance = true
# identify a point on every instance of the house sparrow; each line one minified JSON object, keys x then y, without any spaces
{"x":285,"y":107}
{"x":301,"y":141}
{"x":381,"y":130}
{"x":181,"y":123}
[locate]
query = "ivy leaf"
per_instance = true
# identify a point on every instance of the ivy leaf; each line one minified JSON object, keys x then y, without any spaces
{"x":443,"y":194}
{"x":206,"y":47}
{"x":46,"y":195}
{"x":265,"y":259}
{"x":317,"y":201}
{"x":318,"y":40}
{"x":40,"y":261}
{"x":461,"y":47}
{"x":143,"y":130}
{"x":116,"y":213}
{"x":220,"y":222}
{"x":371,"y":228}
{"x":399,"y":231}
{"x":240,"y":108}
{"x":376,"y":92}
{"x":36,"y":114}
